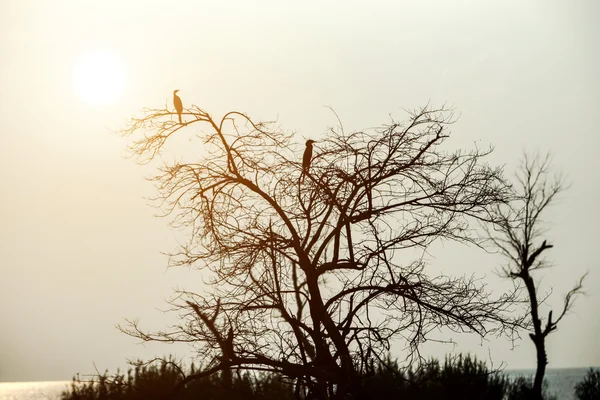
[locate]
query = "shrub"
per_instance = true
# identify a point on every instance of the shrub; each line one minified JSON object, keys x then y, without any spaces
{"x":589,"y":387}
{"x":459,"y":377}
{"x":521,"y":389}
{"x":158,"y":380}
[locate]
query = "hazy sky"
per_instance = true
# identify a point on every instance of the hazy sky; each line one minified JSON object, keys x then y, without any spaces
{"x":80,"y":250}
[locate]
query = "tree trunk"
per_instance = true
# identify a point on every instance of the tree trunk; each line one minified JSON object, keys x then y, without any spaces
{"x":538,"y":339}
{"x":542,"y":361}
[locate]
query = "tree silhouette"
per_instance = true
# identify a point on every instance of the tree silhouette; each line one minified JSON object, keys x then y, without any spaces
{"x":308,"y":280}
{"x":518,"y":226}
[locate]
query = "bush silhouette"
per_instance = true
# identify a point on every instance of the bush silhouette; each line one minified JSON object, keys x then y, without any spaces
{"x":589,"y":387}
{"x":158,"y":380}
{"x":521,"y":388}
{"x":458,"y":377}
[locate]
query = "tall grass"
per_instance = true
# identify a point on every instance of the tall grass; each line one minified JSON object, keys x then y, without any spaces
{"x":458,"y":377}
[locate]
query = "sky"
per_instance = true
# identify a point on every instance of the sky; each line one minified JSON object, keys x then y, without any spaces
{"x":81,"y":250}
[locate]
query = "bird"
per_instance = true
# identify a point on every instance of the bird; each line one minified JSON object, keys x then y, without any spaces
{"x":307,"y":158}
{"x":177,"y":103}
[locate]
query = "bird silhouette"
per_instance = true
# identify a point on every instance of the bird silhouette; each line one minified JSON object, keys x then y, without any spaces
{"x":177,"y":103}
{"x":306,"y":159}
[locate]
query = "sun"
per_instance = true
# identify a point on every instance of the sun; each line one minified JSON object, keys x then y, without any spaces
{"x":99,"y":77}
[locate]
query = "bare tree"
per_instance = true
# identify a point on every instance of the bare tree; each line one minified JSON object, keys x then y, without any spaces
{"x":518,"y":225}
{"x":305,"y":277}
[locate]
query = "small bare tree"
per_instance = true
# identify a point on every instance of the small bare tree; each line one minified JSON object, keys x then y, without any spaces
{"x":518,"y":225}
{"x":304,"y":276}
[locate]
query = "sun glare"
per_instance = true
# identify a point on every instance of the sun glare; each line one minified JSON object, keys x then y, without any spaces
{"x":99,"y":77}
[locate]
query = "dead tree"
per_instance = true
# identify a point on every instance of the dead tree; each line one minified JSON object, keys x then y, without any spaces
{"x":518,"y":226}
{"x":307,"y":279}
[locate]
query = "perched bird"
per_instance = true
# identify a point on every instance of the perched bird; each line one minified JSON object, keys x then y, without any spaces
{"x":177,"y":103}
{"x":307,"y":158}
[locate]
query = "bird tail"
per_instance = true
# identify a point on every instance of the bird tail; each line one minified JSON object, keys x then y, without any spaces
{"x":303,"y":175}
{"x":179,"y":115}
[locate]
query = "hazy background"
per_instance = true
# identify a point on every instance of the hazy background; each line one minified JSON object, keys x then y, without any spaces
{"x":79,"y":248}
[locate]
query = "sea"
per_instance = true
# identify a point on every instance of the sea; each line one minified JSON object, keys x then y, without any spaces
{"x":561,"y":382}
